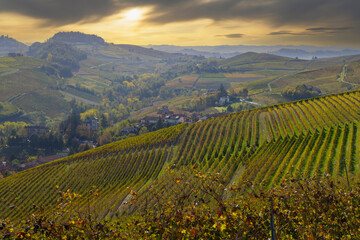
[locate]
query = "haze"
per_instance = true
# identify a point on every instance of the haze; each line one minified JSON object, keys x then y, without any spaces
{"x":188,"y":22}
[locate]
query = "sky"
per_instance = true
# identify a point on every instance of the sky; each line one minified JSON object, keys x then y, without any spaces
{"x":188,"y":22}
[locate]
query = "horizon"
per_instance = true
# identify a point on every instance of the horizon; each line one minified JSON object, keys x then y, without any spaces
{"x":291,"y":46}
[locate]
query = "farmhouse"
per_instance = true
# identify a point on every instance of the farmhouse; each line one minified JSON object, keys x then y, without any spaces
{"x":92,"y":123}
{"x":31,"y":130}
{"x":128,"y":130}
{"x":15,"y":55}
{"x":164,"y":110}
{"x":147,"y":121}
{"x":224,"y":100}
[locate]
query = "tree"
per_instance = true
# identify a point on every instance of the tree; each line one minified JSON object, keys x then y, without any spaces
{"x":229,"y":109}
{"x":222,"y":91}
{"x":103,"y":121}
{"x":143,"y":130}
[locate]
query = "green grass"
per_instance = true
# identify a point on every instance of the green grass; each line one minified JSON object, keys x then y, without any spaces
{"x":7,"y":109}
{"x":208,"y":82}
{"x":50,"y":102}
{"x":84,"y":95}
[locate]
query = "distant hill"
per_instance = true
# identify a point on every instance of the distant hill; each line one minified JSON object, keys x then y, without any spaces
{"x":8,"y":45}
{"x":58,"y":52}
{"x":227,"y":51}
{"x":78,"y":38}
{"x":299,"y":53}
{"x":253,"y":57}
{"x":262,"y":61}
{"x":130,"y":58}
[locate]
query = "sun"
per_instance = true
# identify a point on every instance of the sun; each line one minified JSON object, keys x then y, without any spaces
{"x":133,"y":15}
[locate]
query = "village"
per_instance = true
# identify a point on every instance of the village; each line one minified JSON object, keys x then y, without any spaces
{"x":167,"y":118}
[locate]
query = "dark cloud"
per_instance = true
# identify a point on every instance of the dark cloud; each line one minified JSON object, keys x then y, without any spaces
{"x":235,"y":35}
{"x":328,"y":29}
{"x":282,"y":33}
{"x":61,"y":12}
{"x":275,"y":12}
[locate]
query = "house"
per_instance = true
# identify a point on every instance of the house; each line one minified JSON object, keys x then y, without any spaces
{"x":128,"y":130}
{"x":164,"y":110}
{"x":147,"y":121}
{"x":2,"y":166}
{"x":31,"y":130}
{"x":224,"y":100}
{"x":15,"y":55}
{"x":39,"y":161}
{"x":195,"y":117}
{"x":185,"y":119}
{"x":172,"y":119}
{"x":92,"y":123}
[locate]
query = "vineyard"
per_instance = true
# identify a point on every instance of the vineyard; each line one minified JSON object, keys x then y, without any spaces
{"x":305,"y":138}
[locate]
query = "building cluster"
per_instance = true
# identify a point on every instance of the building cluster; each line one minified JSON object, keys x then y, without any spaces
{"x":15,"y":55}
{"x":38,"y":130}
{"x":92,"y":123}
{"x":167,"y":116}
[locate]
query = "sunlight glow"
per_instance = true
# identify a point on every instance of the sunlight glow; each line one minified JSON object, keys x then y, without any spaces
{"x":133,"y":15}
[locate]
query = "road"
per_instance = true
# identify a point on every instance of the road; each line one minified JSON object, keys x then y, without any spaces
{"x":343,"y":76}
{"x":277,"y":79}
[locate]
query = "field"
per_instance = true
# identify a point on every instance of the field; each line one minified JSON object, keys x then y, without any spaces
{"x":81,"y":94}
{"x":352,"y":73}
{"x":263,"y":145}
{"x":212,"y":81}
{"x":186,"y":81}
{"x":243,"y":77}
{"x":50,"y":102}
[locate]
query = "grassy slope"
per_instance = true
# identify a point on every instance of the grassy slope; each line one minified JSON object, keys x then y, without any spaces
{"x":306,"y":137}
{"x":27,"y":88}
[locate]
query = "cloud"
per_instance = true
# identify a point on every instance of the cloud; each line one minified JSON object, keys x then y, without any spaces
{"x":328,"y":29}
{"x":282,"y":33}
{"x":234,"y":35}
{"x":61,"y":12}
{"x":273,"y":12}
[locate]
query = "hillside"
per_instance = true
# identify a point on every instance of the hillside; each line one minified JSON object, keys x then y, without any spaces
{"x":10,"y":45}
{"x":308,"y":137}
{"x":262,"y":61}
{"x":28,"y":89}
{"x":128,"y":58}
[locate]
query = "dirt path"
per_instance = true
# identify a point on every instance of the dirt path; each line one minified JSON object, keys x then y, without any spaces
{"x":277,"y":79}
{"x":8,"y":73}
{"x":196,"y":81}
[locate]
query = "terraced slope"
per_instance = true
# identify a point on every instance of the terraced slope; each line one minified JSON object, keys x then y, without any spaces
{"x":308,"y":137}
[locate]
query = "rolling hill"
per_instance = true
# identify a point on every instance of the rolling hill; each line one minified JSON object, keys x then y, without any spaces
{"x":128,"y":58}
{"x":264,"y":145}
{"x":10,"y":45}
{"x":27,"y":88}
{"x":251,"y":61}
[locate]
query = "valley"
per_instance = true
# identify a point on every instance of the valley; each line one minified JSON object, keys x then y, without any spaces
{"x":122,"y":123}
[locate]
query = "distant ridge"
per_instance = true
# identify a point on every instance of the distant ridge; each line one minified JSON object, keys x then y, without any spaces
{"x":78,"y":38}
{"x":226,"y":51}
{"x":253,"y":57}
{"x":8,"y":44}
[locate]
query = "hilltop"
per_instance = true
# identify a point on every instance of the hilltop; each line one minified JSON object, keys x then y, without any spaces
{"x":78,"y":38}
{"x":8,"y":45}
{"x":252,"y":57}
